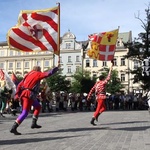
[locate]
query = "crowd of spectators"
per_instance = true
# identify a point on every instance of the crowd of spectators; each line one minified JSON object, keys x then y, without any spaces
{"x":63,"y":101}
{"x":126,"y":102}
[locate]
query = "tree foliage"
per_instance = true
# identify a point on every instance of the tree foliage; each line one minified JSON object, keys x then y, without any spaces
{"x":82,"y":82}
{"x":114,"y":85}
{"x":57,"y":82}
{"x":139,"y":49}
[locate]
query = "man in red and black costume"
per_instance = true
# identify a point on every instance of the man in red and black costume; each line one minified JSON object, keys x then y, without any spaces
{"x":100,"y":93}
{"x":27,"y":91}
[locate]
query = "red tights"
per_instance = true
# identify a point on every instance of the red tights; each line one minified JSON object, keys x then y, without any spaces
{"x":100,"y":107}
{"x":26,"y":106}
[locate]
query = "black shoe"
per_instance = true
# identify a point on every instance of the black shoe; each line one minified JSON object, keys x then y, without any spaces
{"x":97,"y":117}
{"x":35,"y":126}
{"x":15,"y":132}
{"x":14,"y":129}
{"x":92,"y":122}
{"x":2,"y":115}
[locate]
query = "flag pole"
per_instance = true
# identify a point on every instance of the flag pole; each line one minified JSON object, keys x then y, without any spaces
{"x":58,"y":33}
{"x":112,"y":61}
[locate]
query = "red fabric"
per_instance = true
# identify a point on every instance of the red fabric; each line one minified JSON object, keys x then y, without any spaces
{"x":103,"y":45}
{"x":101,"y":107}
{"x":28,"y":83}
{"x":14,"y":79}
{"x":26,"y":103}
{"x":36,"y":31}
{"x":99,"y":88}
{"x":26,"y":106}
{"x":2,"y":75}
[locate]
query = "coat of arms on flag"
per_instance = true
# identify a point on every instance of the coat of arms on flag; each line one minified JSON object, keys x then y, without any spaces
{"x":37,"y":30}
{"x":103,"y":45}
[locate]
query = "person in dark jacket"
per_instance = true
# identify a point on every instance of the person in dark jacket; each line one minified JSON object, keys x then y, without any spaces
{"x":5,"y":95}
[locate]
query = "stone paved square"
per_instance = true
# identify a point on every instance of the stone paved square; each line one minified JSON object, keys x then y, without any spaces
{"x":115,"y":130}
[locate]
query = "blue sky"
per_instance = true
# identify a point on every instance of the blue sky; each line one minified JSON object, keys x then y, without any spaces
{"x":81,"y":17}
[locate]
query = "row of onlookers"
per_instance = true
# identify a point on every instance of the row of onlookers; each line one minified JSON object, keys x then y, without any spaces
{"x":62,"y":101}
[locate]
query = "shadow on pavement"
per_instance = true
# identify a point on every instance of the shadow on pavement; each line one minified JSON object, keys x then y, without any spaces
{"x":129,"y":122}
{"x":142,"y":128}
{"x":32,"y":140}
{"x":72,"y":130}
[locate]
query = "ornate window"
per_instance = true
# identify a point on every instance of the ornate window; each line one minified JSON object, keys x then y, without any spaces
{"x":104,"y":63}
{"x":26,"y":64}
{"x":69,"y":58}
{"x":87,"y":63}
{"x":10,"y":65}
{"x":122,"y":62}
{"x":77,"y":58}
{"x":115,"y":62}
{"x":46,"y":63}
{"x":18,"y":65}
{"x":68,"y":45}
{"x":69,"y":69}
{"x":122,"y":77}
{"x":2,"y":65}
{"x":77,"y":68}
{"x":94,"y":63}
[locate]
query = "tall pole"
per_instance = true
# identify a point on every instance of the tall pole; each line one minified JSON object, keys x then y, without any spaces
{"x":82,"y":53}
{"x":53,"y":60}
{"x":82,"y":60}
{"x":84,"y":46}
{"x":58,"y":33}
{"x":128,"y":78}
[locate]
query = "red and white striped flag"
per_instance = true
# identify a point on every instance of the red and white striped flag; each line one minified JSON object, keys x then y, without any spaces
{"x":37,"y":30}
{"x":2,"y":75}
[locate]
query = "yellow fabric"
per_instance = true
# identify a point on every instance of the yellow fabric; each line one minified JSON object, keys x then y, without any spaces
{"x":112,"y":35}
{"x":107,"y":39}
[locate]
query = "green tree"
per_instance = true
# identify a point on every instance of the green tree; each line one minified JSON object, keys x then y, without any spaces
{"x":82,"y":82}
{"x":57,"y":82}
{"x":114,"y":85}
{"x":139,"y":49}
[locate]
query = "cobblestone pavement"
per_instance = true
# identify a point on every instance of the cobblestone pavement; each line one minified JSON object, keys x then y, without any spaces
{"x":115,"y":130}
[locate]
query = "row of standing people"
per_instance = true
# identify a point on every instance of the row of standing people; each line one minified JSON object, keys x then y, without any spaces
{"x":126,"y":102}
{"x":75,"y":101}
{"x":63,"y":101}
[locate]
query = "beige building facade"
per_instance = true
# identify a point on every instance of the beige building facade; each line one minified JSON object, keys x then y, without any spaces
{"x":71,"y":54}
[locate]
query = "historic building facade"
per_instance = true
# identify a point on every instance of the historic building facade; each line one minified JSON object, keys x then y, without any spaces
{"x":71,"y":60}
